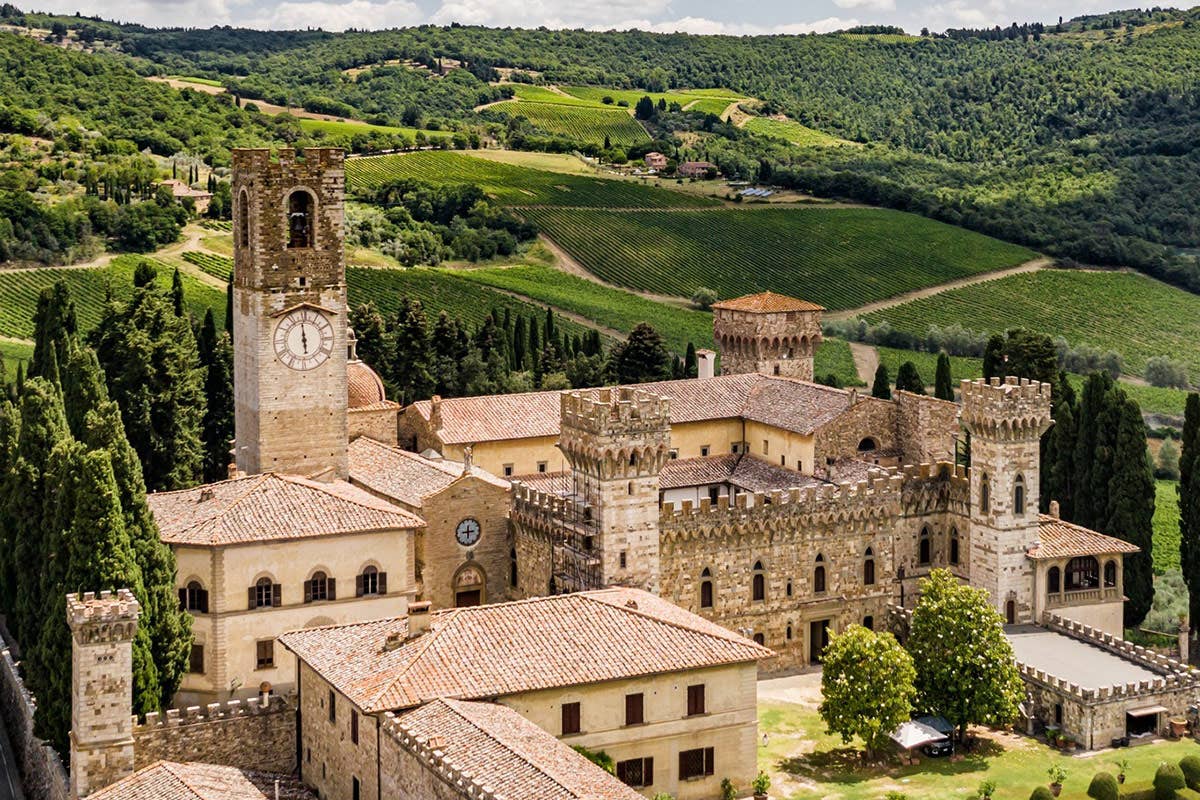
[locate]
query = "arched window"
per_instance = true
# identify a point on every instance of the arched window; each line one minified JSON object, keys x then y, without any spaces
{"x":319,"y":587}
{"x":758,"y":590}
{"x":954,"y":546}
{"x":194,"y":597}
{"x":244,"y":219}
{"x":819,"y":574}
{"x":985,"y":493}
{"x":1083,"y":572}
{"x":788,"y":589}
{"x":264,"y":593}
{"x":1053,"y":581}
{"x":869,"y":568}
{"x":923,"y":547}
{"x":300,"y":219}
{"x":866,"y":445}
{"x":760,"y":639}
{"x":1110,"y":573}
{"x":869,"y":622}
{"x":789,"y":631}
{"x":512,"y":567}
{"x":706,"y":588}
{"x":370,"y":582}
{"x":1019,"y":495}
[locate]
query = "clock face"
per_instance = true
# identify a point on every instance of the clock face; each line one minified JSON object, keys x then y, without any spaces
{"x":304,"y":339}
{"x":467,"y":532}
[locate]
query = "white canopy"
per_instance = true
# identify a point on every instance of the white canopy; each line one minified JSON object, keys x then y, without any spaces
{"x":914,"y":734}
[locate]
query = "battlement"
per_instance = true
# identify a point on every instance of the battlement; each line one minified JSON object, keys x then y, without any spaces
{"x":213,"y":712}
{"x":312,"y":162}
{"x":107,"y":607}
{"x":1009,"y":409}
{"x":615,"y":411}
{"x":429,"y":753}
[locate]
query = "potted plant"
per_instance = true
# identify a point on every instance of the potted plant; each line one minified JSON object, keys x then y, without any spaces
{"x":1057,"y":775}
{"x":760,"y":784}
{"x":1121,"y":764}
{"x":986,"y":789}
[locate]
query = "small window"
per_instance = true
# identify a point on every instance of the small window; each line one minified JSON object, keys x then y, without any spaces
{"x":706,"y":589}
{"x":634,"y":709}
{"x":869,"y":622}
{"x":674,"y":454}
{"x":704,"y":450}
{"x":300,"y":219}
{"x":954,"y":546}
{"x":758,"y":590}
{"x":370,"y":582}
{"x":196,"y":660}
{"x":570,"y":718}
{"x":265,"y":594}
{"x":696,"y":763}
{"x":512,"y":567}
{"x":788,"y":588}
{"x":1110,"y":574}
{"x":332,"y":707}
{"x":760,"y":639}
{"x":355,"y":789}
{"x":1019,"y":495}
{"x":265,"y":653}
{"x":354,"y":725}
{"x":622,"y":559}
{"x":923,"y":548}
{"x":985,"y":492}
{"x":783,"y":461}
{"x":766,"y":447}
{"x":541,"y":466}
{"x":1010,"y":612}
{"x":819,"y":575}
{"x":636,"y":772}
{"x":695,"y":699}
{"x":508,"y":470}
{"x":194,"y":598}
{"x":789,"y":632}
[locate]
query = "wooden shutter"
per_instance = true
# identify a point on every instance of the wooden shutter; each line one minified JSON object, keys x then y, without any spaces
{"x":695,"y":700}
{"x":204,"y":601}
{"x":332,"y":588}
{"x":358,"y":585}
{"x":708,"y":761}
{"x":252,"y":598}
{"x":633,"y":709}
{"x":570,"y":718}
{"x":383,"y":583}
{"x":183,"y":599}
{"x":308,"y":591}
{"x":276,"y":595}
{"x":685,"y":764}
{"x":354,"y":726}
{"x":648,"y":772}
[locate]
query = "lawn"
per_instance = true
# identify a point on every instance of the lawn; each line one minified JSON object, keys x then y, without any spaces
{"x":793,"y":132}
{"x":805,"y":763}
{"x":961,"y":368}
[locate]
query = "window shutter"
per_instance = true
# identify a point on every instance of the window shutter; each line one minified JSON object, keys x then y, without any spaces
{"x":183,"y":599}
{"x":308,"y":591}
{"x":332,"y":584}
{"x":204,"y":601}
{"x":383,"y":583}
{"x":252,"y":598}
{"x":683,"y":765}
{"x":708,"y":761}
{"x":648,"y":772}
{"x":358,"y":585}
{"x":276,"y":595}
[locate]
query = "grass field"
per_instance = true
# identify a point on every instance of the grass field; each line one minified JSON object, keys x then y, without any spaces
{"x":1166,"y":526}
{"x":1152,"y":399}
{"x":585,"y":123}
{"x":793,"y":132}
{"x":190,"y":79}
{"x":514,"y":185}
{"x":13,"y":353}
{"x":839,"y":257}
{"x":333,"y":127}
{"x":1132,"y":314}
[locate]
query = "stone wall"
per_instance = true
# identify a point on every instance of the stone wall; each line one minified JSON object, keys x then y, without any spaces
{"x":43,"y":775}
{"x":444,"y":561}
{"x":867,"y":418}
{"x":534,"y":529}
{"x":380,"y":422}
{"x":413,"y":769}
{"x":925,"y":428}
{"x":240,"y":733}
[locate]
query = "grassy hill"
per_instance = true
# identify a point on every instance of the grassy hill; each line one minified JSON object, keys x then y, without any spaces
{"x":589,"y":124}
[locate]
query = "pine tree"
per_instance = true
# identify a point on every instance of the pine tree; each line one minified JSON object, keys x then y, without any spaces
{"x":909,"y":380}
{"x":1189,"y":506}
{"x":216,"y":358}
{"x":943,"y":383}
{"x":882,"y":387}
{"x":55,"y":326}
{"x":1129,"y":512}
{"x":641,"y":358}
{"x":177,"y":292}
{"x":993,"y":358}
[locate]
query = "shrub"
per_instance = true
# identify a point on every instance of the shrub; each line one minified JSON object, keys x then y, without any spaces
{"x":727,"y":790}
{"x":1190,"y":767}
{"x":1104,"y":787}
{"x":894,"y":795}
{"x":598,"y":757}
{"x":762,"y":782}
{"x":1056,"y":773}
{"x":1168,"y":780}
{"x":703,"y":298}
{"x":1041,"y":793}
{"x":1164,"y":371}
{"x":987,"y":789}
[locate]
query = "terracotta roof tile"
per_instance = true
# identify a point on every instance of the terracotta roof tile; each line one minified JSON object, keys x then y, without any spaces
{"x":767,"y":302}
{"x":500,"y":749}
{"x":271,"y":507}
{"x":364,"y":387}
{"x":402,"y":475}
{"x":170,"y":780}
{"x":743,"y":471}
{"x":506,"y":648}
{"x":1061,"y":539}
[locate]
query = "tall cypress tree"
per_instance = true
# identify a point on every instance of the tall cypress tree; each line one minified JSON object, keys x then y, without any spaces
{"x":1058,"y":454}
{"x":909,"y":380}
{"x":54,"y":326}
{"x":882,"y":387}
{"x":410,"y":360}
{"x":1129,"y":510}
{"x":1091,"y":409}
{"x":993,"y":358}
{"x":10,"y":424}
{"x":177,"y":292}
{"x":216,"y":428}
{"x":943,"y":383}
{"x":83,"y":387}
{"x":1189,"y":506}
{"x":691,"y":365}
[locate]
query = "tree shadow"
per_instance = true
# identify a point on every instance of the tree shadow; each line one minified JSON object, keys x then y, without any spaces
{"x":848,"y":765}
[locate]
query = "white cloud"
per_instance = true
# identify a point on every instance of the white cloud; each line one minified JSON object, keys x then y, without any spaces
{"x":702,"y":25}
{"x":551,"y":13}
{"x":337,"y":16}
{"x":871,"y":5}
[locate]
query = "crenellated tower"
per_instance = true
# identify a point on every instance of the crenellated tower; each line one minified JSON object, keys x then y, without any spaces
{"x":289,"y":312}
{"x":102,"y":630}
{"x":768,"y":333}
{"x":617,"y":441}
{"x":1006,"y":420}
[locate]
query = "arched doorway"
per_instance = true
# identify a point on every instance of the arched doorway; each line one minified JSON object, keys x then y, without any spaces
{"x":469,"y":584}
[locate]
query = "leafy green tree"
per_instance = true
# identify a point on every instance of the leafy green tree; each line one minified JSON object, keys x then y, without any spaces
{"x":964,"y":663}
{"x":644,"y":108}
{"x":943,"y":383}
{"x":216,"y":427}
{"x":1030,"y":355}
{"x":703,"y":298}
{"x":881,"y":388}
{"x":866,"y":686}
{"x":909,"y":380}
{"x":1189,"y":505}
{"x":641,"y":358}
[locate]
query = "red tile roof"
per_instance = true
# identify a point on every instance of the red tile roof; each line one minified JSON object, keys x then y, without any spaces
{"x":170,"y":780}
{"x":271,"y":507}
{"x":401,"y":475}
{"x":767,"y":302}
{"x":498,"y":748}
{"x":364,"y":387}
{"x":743,"y":471}
{"x":1061,"y":539}
{"x":507,"y":648}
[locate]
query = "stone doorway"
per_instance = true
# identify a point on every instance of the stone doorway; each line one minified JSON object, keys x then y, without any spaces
{"x":818,"y":640}
{"x":468,"y":598}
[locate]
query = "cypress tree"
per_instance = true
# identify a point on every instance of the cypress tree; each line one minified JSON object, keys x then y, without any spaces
{"x":177,"y":292}
{"x":216,"y":358}
{"x":144,"y":274}
{"x":882,"y":387}
{"x":370,"y":331}
{"x":1091,"y":408}
{"x":993,"y":357}
{"x":691,"y":365}
{"x":943,"y":383}
{"x":447,"y":355}
{"x":909,"y":380}
{"x":1058,"y":454}
{"x":10,"y":424}
{"x":520,"y":343}
{"x":83,"y":387}
{"x":1189,"y":506}
{"x":410,"y":360}
{"x":54,"y":326}
{"x":1129,"y":511}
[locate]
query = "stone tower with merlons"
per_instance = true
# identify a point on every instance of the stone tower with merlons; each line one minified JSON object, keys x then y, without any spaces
{"x":617,"y":441}
{"x":1006,"y":420}
{"x":768,"y":333}
{"x":102,"y":630}
{"x":289,"y":312}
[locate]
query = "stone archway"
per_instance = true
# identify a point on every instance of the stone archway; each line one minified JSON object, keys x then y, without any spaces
{"x":470,"y":585}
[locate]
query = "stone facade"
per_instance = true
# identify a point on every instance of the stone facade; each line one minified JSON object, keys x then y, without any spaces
{"x":331,"y":759}
{"x":289,"y":260}
{"x":378,"y":423}
{"x":407,"y":768}
{"x":43,"y":775}
{"x":771,"y":342}
{"x":222,"y":734}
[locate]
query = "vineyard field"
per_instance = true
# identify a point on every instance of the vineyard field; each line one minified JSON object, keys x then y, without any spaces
{"x":834,"y":356}
{"x":14,"y":353}
{"x":793,"y":132}
{"x":596,"y":95}
{"x":542,"y":94}
{"x":926,"y":364}
{"x":1136,"y":316}
{"x":215,"y":265}
{"x":710,"y":105}
{"x":583,"y":122}
{"x":335,"y":127}
{"x":514,"y":185}
{"x":838,"y":257}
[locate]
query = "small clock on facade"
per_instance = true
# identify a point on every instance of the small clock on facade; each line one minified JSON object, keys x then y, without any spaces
{"x":304,"y":339}
{"x":467,"y":532}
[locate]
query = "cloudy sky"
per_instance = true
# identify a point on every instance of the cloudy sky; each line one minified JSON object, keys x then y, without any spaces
{"x":694,"y":16}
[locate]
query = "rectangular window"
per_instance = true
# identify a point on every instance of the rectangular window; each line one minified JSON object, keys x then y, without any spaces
{"x":332,"y":706}
{"x":624,"y":560}
{"x":696,"y":763}
{"x":196,"y":660}
{"x":541,"y":466}
{"x":634,"y":709}
{"x":508,"y":470}
{"x":783,"y":461}
{"x":570,"y":718}
{"x":695,"y":700}
{"x":265,"y":654}
{"x":354,"y":725}
{"x":636,"y":772}
{"x":766,"y":448}
{"x":674,"y":454}
{"x":704,"y":448}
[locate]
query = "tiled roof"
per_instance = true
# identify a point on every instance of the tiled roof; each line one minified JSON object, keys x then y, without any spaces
{"x":271,"y":507}
{"x":170,"y":780}
{"x":506,"y":648}
{"x":784,"y":402}
{"x":1061,"y":539}
{"x":500,"y":749}
{"x":767,"y":302}
{"x":399,"y":474}
{"x":363,"y":386}
{"x":743,"y":471}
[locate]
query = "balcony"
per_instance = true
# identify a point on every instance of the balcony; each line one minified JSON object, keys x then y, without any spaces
{"x":1081,"y":597}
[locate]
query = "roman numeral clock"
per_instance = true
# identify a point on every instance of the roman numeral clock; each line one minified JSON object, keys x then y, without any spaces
{"x":303,"y":338}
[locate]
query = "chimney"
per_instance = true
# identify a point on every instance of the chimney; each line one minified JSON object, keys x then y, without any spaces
{"x":706,"y":363}
{"x":418,"y":618}
{"x":206,"y":494}
{"x":467,"y":459}
{"x":1054,"y":511}
{"x":435,"y":412}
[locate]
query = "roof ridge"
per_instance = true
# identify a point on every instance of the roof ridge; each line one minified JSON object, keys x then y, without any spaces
{"x":167,"y":766}
{"x":383,"y":505}
{"x":424,"y":641}
{"x":252,"y":483}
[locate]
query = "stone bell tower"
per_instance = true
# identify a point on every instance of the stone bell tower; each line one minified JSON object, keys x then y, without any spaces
{"x":768,"y":333}
{"x":617,"y":441}
{"x":102,"y":630}
{"x":1006,"y":420}
{"x":289,"y":310}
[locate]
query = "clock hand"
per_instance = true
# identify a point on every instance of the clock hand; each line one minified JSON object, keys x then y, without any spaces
{"x":304,"y":339}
